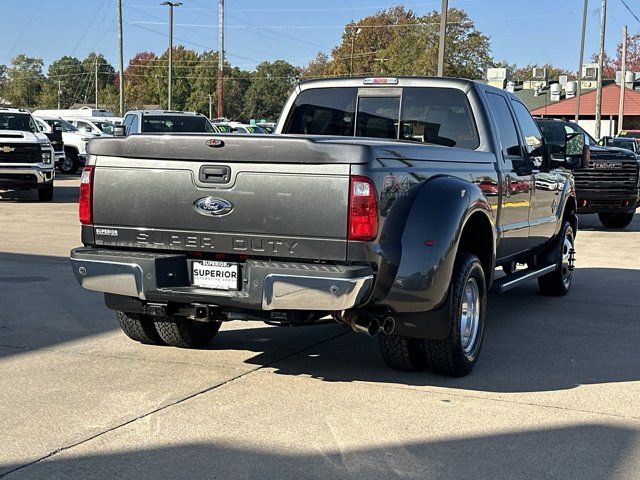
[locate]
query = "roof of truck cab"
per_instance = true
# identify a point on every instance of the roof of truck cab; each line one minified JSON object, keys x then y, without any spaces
{"x":401,"y":82}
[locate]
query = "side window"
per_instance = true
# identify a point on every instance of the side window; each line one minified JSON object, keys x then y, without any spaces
{"x":529,"y":129}
{"x":127,"y":123}
{"x":506,"y":128}
{"x":134,"y":125}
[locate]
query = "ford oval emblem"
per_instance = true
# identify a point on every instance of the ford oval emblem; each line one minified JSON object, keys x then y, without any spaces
{"x":211,"y":206}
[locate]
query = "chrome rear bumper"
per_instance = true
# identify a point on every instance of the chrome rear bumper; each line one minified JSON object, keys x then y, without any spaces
{"x":265,"y":285}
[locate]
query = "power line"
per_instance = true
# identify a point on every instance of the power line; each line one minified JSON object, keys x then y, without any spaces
{"x":630,"y":11}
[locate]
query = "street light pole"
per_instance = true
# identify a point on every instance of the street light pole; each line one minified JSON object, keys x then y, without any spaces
{"x":443,"y":35}
{"x":171,"y":5}
{"x":581,"y":61}
{"x":354,"y":34}
{"x":623,"y":83}
{"x":120,"y":60}
{"x":603,"y":24}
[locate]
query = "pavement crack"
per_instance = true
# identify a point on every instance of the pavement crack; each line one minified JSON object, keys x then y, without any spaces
{"x":171,"y":404}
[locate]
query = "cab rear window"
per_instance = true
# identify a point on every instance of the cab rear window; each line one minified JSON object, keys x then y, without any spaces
{"x":419,"y":114}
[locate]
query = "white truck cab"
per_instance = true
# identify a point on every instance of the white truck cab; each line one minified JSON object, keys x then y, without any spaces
{"x":26,"y":155}
{"x":75,"y":142}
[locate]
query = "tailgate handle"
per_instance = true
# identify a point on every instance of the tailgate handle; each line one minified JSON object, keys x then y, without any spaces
{"x":215,"y":174}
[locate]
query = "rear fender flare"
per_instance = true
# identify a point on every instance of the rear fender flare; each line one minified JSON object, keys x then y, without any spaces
{"x":429,"y":242}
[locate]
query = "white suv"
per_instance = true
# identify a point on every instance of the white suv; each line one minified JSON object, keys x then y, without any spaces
{"x":26,"y":154}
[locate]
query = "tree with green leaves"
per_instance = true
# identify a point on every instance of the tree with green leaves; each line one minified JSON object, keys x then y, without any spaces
{"x":64,"y":78}
{"x":106,"y":76}
{"x":364,"y":42}
{"x":271,"y":85}
{"x":413,"y":49}
{"x":24,"y":81}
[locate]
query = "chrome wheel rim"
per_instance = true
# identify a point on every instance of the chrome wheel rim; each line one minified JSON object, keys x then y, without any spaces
{"x":470,"y":315}
{"x":67,"y":165}
{"x":566,"y":265}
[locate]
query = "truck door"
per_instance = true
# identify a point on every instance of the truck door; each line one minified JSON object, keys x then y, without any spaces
{"x":513,"y":217}
{"x":545,"y":194}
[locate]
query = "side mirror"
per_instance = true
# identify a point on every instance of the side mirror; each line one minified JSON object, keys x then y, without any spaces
{"x":576,"y":151}
{"x":604,"y":141}
{"x":119,"y":131}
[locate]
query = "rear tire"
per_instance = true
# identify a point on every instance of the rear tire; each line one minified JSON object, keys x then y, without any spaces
{"x":139,"y":327}
{"x":558,"y":282}
{"x":184,"y":333}
{"x":457,"y":354}
{"x":70,"y":164}
{"x":45,"y":194}
{"x":616,"y":220}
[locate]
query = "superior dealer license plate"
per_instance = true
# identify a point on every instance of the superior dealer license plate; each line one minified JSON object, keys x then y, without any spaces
{"x":215,"y":275}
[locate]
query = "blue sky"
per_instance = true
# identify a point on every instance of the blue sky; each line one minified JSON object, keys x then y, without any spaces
{"x":532,"y":31}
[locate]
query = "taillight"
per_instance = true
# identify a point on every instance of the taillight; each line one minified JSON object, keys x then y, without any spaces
{"x":363,"y":209}
{"x":85,"y":202}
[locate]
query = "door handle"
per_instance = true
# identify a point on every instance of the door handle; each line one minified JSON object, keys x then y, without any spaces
{"x":214,"y":174}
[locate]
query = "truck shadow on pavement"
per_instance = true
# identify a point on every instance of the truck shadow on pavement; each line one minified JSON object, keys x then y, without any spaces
{"x":62,"y":194}
{"x":590,"y":451}
{"x":532,"y":343}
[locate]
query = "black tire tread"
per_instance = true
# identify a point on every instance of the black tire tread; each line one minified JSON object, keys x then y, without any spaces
{"x":615,"y":221}
{"x":402,"y":353}
{"x":445,"y":356}
{"x":185,"y":333}
{"x":45,"y":194}
{"x":551,"y":284}
{"x":138,"y":327}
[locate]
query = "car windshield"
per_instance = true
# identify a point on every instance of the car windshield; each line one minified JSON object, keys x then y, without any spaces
{"x":63,"y":124}
{"x":17,"y":121}
{"x":555,"y":132}
{"x":619,"y":143}
{"x":175,"y":124}
{"x":255,"y":129}
{"x":628,"y":134}
{"x":105,"y":127}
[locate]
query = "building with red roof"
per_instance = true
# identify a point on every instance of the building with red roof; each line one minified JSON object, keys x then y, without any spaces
{"x":610,"y":105}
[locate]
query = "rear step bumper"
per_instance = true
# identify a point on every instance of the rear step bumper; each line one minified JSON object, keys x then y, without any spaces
{"x":265,"y":285}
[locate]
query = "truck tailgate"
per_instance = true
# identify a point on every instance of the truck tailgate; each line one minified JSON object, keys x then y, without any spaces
{"x":279,"y":210}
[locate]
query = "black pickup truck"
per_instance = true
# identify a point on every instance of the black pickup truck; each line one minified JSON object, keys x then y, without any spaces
{"x":608,"y":184}
{"x":384,"y":204}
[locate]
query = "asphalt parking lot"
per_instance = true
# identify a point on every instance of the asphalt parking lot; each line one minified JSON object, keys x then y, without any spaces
{"x":556,"y":393}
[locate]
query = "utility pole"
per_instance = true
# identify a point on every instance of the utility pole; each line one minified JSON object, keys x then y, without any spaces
{"x":603,"y":24}
{"x":59,"y":92}
{"x":354,"y":33}
{"x":581,"y":61}
{"x":96,"y":79}
{"x":624,"y":81}
{"x":220,"y":73}
{"x":120,"y":59}
{"x":171,"y":5}
{"x":210,"y":106}
{"x":443,"y":35}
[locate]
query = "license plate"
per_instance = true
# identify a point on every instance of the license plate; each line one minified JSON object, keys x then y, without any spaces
{"x":215,"y":275}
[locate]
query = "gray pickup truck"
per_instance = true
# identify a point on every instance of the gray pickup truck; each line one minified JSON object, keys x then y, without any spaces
{"x":384,"y":204}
